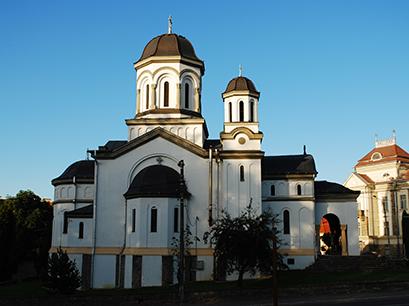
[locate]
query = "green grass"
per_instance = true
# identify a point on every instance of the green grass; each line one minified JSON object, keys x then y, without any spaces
{"x":286,"y":279}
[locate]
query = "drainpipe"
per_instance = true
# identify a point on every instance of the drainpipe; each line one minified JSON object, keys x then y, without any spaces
{"x":210,"y":187}
{"x":75,"y":192}
{"x":94,"y":236}
{"x":120,"y":276}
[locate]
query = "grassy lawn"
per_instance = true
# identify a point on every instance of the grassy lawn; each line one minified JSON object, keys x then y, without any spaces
{"x":287,"y":279}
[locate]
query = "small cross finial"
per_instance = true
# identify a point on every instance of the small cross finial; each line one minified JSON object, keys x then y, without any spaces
{"x":240,"y":70}
{"x":170,"y":24}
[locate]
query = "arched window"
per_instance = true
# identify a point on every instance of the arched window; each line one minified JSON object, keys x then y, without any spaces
{"x":81,"y":230}
{"x":166,"y":94}
{"x":241,"y":111}
{"x":176,"y":220}
{"x":241,"y":173}
{"x":273,"y":190}
{"x":286,"y":222}
{"x":187,"y":95}
{"x":147,"y":96}
{"x":133,"y":220}
{"x":251,"y":111}
{"x":154,"y":220}
{"x":299,"y":191}
{"x":230,"y":119}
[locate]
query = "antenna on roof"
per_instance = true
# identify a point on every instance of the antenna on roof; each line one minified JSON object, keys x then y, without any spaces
{"x":394,"y":135}
{"x":305,"y":150}
{"x":170,"y":23}
{"x":240,"y":70}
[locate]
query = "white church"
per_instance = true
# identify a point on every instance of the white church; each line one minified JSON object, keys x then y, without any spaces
{"x":116,"y":214}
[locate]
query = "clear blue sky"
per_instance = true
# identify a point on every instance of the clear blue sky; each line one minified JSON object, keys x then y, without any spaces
{"x":331,"y":74}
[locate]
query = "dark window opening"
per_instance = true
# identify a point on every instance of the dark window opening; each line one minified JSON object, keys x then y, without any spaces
{"x":147,"y":96}
{"x":241,"y":111}
{"x":241,"y":173}
{"x":290,"y":261}
{"x":176,"y":220}
{"x":286,"y":221}
{"x":251,"y":111}
{"x":299,"y":190}
{"x":273,"y":190}
{"x":186,"y":95}
{"x":166,"y":94}
{"x":65,"y":225}
{"x":154,"y":220}
{"x":230,"y":119}
{"x":81,"y":231}
{"x":133,"y":219}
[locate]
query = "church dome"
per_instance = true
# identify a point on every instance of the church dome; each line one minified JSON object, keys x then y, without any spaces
{"x":82,"y":171}
{"x":241,"y":84}
{"x":169,"y":45}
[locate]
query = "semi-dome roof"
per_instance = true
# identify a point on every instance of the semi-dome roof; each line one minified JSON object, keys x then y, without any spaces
{"x":82,"y":170}
{"x":241,"y":83}
{"x":155,"y":182}
{"x":169,"y":45}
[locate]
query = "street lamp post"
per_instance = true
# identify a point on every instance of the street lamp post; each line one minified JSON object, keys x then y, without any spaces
{"x":181,"y":272}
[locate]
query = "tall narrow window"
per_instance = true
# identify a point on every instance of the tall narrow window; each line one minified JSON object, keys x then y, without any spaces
{"x":187,"y":95}
{"x":241,"y":173}
{"x":154,"y":220}
{"x":230,"y":119}
{"x":286,"y":221}
{"x":403,"y":204}
{"x":147,"y":96}
{"x":299,"y":191}
{"x":166,"y":94}
{"x":241,"y":111}
{"x":133,"y":220}
{"x":251,"y":111}
{"x":81,"y":230}
{"x":65,"y":224}
{"x":176,"y":220}
{"x":273,"y":190}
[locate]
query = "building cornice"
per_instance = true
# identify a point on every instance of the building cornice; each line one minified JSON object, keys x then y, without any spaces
{"x":250,"y":154}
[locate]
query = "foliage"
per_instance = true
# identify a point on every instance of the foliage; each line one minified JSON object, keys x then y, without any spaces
{"x":25,"y":232}
{"x":244,"y":244}
{"x":63,"y":274}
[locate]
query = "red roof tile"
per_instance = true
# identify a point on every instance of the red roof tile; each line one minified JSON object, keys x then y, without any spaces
{"x":389,"y":153}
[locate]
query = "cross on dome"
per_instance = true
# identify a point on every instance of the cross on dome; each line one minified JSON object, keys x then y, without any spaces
{"x":170,"y":23}
{"x":240,"y":70}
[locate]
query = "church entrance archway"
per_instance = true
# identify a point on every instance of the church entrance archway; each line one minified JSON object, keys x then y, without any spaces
{"x":330,"y":235}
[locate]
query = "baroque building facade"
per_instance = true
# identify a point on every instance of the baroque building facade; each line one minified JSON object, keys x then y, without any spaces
{"x":117,"y":215}
{"x":382,"y":177}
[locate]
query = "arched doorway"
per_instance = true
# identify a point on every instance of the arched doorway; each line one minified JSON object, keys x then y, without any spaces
{"x":330,"y":235}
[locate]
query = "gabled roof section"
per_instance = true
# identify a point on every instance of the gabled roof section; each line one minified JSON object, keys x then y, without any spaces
{"x":272,"y":166}
{"x":145,"y":138}
{"x":385,"y":154}
{"x":81,"y":171}
{"x":330,"y":190}
{"x":365,"y":178}
{"x":83,"y":212}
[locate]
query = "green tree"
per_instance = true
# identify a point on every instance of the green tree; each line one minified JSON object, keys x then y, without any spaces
{"x":63,"y":275}
{"x":244,"y":244}
{"x":26,"y":226}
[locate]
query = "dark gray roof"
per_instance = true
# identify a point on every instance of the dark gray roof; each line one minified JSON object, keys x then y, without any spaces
{"x":155,"y":182}
{"x":83,"y":212}
{"x":112,"y":145}
{"x":212,"y":143}
{"x":82,"y":170}
{"x":326,"y":188}
{"x":287,"y":164}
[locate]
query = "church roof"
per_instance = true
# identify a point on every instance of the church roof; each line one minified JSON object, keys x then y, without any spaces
{"x":156,"y":181}
{"x":333,"y":190}
{"x":83,"y":212}
{"x":387,"y":153}
{"x":287,"y":164}
{"x":169,"y":45}
{"x":241,"y":84}
{"x":82,"y":170}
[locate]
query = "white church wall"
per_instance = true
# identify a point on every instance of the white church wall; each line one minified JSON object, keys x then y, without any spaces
{"x":72,"y":237}
{"x":300,"y":262}
{"x":207,"y":273}
{"x":104,"y":272}
{"x":347,"y":213}
{"x":151,"y":271}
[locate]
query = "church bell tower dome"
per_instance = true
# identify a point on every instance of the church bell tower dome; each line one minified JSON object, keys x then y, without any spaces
{"x":241,"y":84}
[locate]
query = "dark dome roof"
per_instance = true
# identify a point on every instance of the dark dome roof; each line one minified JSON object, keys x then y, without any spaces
{"x":82,"y":170}
{"x":169,"y":45}
{"x":241,"y":83}
{"x":155,"y":182}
